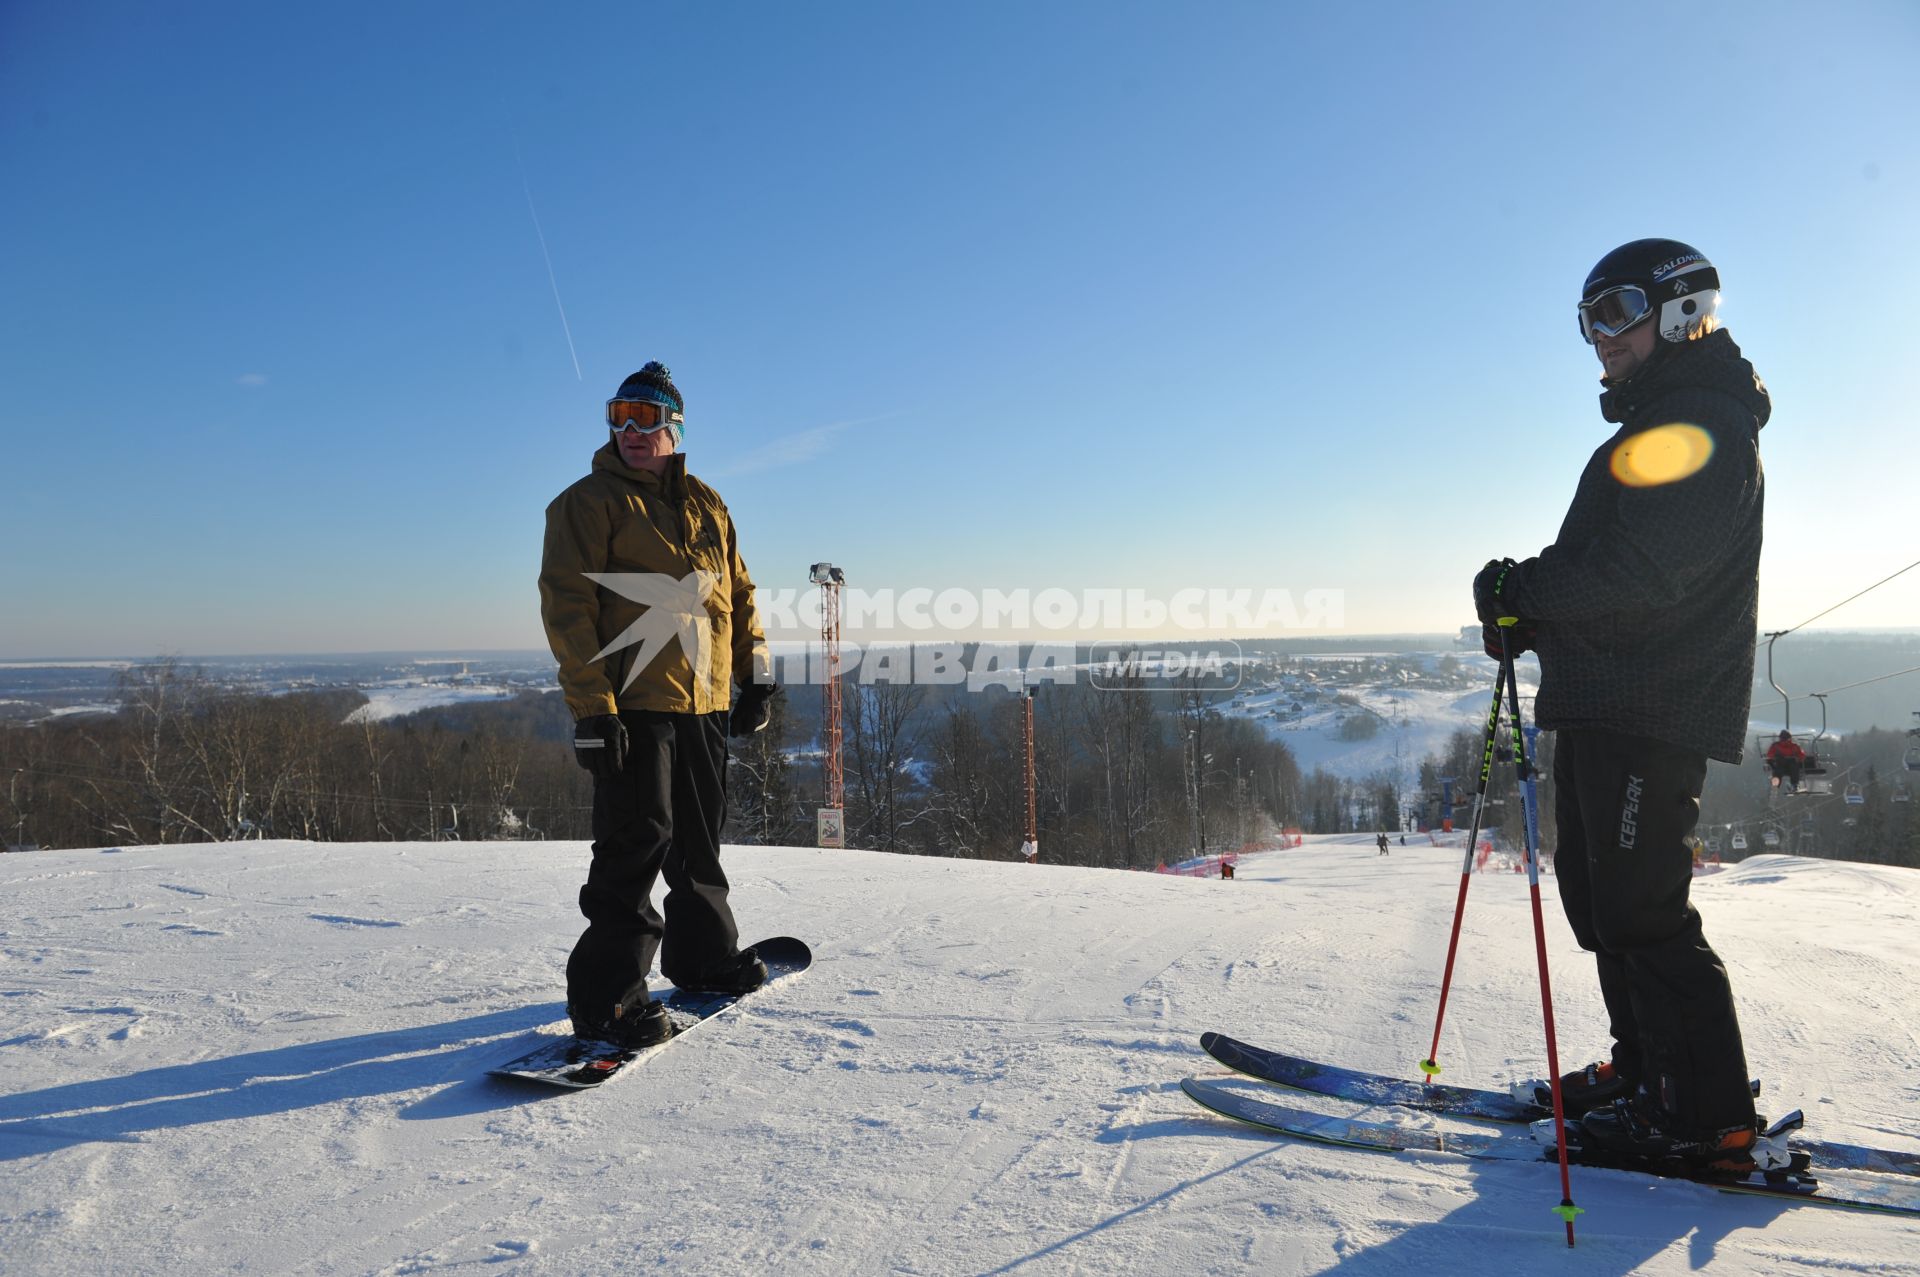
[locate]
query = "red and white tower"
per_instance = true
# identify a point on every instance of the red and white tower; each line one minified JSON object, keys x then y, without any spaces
{"x":1030,"y":849}
{"x":830,"y":821}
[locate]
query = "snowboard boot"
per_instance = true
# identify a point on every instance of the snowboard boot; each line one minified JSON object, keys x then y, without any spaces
{"x":1635,"y":1128}
{"x":634,"y":1023}
{"x":742,"y":973}
{"x":1581,"y":1091}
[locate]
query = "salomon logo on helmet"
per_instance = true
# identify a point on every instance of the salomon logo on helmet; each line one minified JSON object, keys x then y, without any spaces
{"x":1678,"y":289}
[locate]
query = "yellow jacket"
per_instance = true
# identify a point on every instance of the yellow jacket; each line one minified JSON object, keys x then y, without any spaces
{"x":646,"y":601}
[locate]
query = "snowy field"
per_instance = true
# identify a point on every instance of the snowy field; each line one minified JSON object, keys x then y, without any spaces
{"x":1413,"y":722}
{"x":268,"y":1058}
{"x":397,"y":700}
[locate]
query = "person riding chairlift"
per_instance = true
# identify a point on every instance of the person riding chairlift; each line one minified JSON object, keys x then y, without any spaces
{"x":1785,"y":759}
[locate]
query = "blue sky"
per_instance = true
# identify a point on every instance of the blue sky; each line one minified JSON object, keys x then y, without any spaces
{"x":960,"y":295}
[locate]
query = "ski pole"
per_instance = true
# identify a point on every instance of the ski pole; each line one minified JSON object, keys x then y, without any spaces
{"x":1523,"y":772}
{"x":1431,"y":1065}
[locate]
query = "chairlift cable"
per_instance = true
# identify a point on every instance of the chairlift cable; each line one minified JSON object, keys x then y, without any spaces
{"x":1850,"y":598}
{"x":1914,"y":669}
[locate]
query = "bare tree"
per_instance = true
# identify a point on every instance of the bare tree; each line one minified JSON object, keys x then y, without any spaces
{"x":881,"y":739}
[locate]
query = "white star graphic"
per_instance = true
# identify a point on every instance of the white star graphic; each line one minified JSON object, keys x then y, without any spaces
{"x":675,"y":608}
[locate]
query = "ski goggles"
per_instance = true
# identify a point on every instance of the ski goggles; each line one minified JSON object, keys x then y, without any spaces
{"x":1612,"y":312}
{"x":644,"y":416}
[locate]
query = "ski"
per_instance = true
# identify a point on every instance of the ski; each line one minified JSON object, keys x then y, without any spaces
{"x":1497,"y":1106}
{"x":578,"y":1064}
{"x":1894,"y":1194}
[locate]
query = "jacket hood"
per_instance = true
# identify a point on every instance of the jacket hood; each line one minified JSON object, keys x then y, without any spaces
{"x":1713,"y":362}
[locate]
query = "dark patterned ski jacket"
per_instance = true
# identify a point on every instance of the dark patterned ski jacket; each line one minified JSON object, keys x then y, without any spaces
{"x":1647,"y":600}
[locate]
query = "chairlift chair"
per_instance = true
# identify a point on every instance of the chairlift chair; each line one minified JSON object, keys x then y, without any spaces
{"x":1771,"y":838}
{"x":1855,"y":795}
{"x":1902,"y":794}
{"x":1739,"y":841}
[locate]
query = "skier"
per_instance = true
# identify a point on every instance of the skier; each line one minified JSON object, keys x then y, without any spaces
{"x":1785,"y":759}
{"x":1381,"y":842}
{"x":1642,"y":612}
{"x":647,"y":658}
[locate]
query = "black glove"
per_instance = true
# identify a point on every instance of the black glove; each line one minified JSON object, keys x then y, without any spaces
{"x":752,"y":710}
{"x":1520,"y":638}
{"x":600,"y":745}
{"x":1487,"y":604}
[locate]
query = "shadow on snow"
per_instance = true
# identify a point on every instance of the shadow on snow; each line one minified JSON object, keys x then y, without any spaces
{"x":282,"y":1080}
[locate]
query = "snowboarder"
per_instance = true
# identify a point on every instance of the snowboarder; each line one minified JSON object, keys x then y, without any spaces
{"x":648,"y":654}
{"x":1785,"y":759}
{"x":1381,"y":842}
{"x":1642,"y":612}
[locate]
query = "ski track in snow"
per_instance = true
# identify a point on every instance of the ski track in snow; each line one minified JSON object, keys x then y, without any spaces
{"x":270,"y":1057}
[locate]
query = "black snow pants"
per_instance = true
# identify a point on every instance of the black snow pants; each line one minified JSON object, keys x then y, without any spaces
{"x":1624,"y":806}
{"x":660,"y":816}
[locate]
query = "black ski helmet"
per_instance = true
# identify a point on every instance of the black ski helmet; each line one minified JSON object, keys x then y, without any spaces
{"x":1680,"y":287}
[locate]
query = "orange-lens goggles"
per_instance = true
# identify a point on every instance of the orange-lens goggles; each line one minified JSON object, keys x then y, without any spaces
{"x":640,"y":414}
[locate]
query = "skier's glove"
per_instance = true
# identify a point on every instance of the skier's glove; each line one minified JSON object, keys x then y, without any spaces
{"x":1520,"y":639}
{"x":600,"y":745}
{"x":1487,"y":586}
{"x":752,"y":710}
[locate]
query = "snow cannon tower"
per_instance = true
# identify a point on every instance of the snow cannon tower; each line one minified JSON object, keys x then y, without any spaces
{"x":830,"y":821}
{"x":1030,"y":849}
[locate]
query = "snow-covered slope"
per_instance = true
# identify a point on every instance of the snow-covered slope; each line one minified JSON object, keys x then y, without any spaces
{"x":1411,"y":719}
{"x":395,"y":700}
{"x":268,"y":1058}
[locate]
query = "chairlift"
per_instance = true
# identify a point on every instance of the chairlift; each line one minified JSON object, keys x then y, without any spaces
{"x":1771,"y":838}
{"x":1739,"y":840}
{"x":1813,"y":760}
{"x":1855,"y":795}
{"x":1901,"y":793}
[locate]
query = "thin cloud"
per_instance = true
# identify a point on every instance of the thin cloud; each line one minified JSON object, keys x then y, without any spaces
{"x":796,"y":448}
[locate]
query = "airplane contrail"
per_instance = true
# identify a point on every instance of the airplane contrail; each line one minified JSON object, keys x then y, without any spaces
{"x":548,"y":258}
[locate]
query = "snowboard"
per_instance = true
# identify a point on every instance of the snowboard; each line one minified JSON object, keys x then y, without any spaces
{"x":578,"y":1064}
{"x":1498,"y":1106}
{"x":1894,"y":1194}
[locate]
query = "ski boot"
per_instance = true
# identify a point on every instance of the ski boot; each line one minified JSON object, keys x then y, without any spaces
{"x":1636,"y":1129}
{"x":1581,"y":1091}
